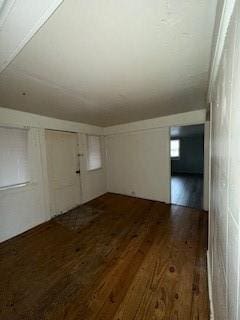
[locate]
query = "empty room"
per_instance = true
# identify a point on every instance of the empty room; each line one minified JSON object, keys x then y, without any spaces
{"x":119,"y":160}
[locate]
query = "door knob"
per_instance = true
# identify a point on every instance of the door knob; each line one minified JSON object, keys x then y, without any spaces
{"x":78,"y":172}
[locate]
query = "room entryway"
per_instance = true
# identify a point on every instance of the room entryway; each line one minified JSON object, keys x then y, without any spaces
{"x":187,"y":165}
{"x":63,"y":171}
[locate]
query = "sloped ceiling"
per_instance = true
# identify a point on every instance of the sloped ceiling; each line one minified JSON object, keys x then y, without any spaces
{"x":109,"y":62}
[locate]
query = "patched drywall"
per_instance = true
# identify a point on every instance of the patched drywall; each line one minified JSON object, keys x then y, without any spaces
{"x":109,"y":62}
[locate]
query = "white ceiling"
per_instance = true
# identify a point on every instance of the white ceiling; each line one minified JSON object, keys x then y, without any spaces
{"x":19,"y":21}
{"x":109,"y":62}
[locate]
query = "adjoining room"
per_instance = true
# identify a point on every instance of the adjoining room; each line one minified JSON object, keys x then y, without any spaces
{"x":187,"y":165}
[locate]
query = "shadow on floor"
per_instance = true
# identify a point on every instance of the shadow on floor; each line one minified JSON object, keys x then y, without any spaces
{"x":187,"y":190}
{"x":78,"y":217}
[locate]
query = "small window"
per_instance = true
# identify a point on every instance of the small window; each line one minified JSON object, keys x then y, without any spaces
{"x":14,"y":166}
{"x":175,"y":149}
{"x":94,"y":153}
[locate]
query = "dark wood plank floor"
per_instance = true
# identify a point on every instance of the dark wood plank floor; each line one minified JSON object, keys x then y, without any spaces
{"x":187,"y":190}
{"x":138,"y":259}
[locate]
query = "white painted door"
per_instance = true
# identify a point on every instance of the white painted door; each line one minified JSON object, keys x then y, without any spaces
{"x":63,"y":171}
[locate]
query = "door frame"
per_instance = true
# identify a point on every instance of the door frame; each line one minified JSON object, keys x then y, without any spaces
{"x":206,"y":169}
{"x":79,"y":166}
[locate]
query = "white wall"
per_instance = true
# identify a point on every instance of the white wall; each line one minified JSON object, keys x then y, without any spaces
{"x":179,"y":119}
{"x":206,"y":166}
{"x":20,"y":118}
{"x":138,"y":161}
{"x":138,"y":164}
{"x":93,"y":183}
{"x":224,"y":224}
{"x":25,"y":207}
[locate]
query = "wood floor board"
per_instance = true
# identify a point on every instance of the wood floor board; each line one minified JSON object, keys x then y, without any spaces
{"x":138,"y":259}
{"x":187,"y":190}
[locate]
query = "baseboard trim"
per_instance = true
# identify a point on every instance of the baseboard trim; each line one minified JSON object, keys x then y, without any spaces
{"x":210,"y":287}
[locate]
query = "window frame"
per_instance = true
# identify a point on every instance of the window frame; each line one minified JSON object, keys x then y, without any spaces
{"x":179,"y":149}
{"x":100,"y":150}
{"x":19,"y":186}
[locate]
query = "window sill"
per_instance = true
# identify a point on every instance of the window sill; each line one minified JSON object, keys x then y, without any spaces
{"x":94,"y":170}
{"x":15,"y":186}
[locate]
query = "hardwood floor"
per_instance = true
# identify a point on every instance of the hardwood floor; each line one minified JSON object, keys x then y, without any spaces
{"x":138,"y":259}
{"x":187,"y":190}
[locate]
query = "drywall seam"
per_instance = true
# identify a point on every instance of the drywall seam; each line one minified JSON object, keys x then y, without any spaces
{"x":210,"y":287}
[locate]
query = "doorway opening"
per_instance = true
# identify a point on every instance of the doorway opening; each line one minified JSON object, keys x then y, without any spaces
{"x":187,"y":165}
{"x":63,"y":167}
